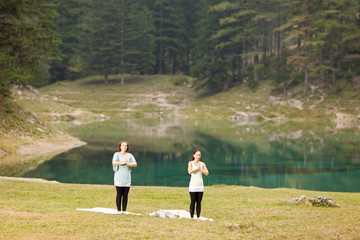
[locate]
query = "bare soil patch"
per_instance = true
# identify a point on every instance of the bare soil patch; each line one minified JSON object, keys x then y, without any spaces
{"x":45,"y":147}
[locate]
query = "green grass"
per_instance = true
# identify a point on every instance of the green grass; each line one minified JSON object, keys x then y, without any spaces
{"x":144,"y":97}
{"x":36,"y":210}
{"x":139,"y":94}
{"x":18,"y":126}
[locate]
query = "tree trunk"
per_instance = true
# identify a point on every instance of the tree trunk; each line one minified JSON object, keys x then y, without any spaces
{"x":306,"y":39}
{"x":338,"y":66}
{"x":271,"y":39}
{"x":278,"y":43}
{"x":265,"y":42}
{"x":243,"y":50}
{"x":335,"y":72}
{"x":174,"y":65}
{"x":226,"y":83}
{"x":122,"y":41}
{"x":161,"y":44}
{"x":256,"y":77}
{"x":275,"y":43}
{"x":322,"y":71}
{"x":233,"y":68}
{"x":239,"y":68}
{"x":106,"y":78}
{"x":257,"y":42}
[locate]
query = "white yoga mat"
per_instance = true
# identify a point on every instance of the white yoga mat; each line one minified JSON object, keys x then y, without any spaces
{"x":176,"y":214}
{"x":106,"y":210}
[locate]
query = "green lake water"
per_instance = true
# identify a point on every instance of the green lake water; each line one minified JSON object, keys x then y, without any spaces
{"x":268,"y":155}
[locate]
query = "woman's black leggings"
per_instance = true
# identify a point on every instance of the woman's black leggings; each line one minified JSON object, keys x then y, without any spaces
{"x":122,"y":192}
{"x":195,"y":197}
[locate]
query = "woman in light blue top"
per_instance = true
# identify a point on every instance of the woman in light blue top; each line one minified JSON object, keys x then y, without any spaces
{"x":122,"y":163}
{"x":196,"y":185}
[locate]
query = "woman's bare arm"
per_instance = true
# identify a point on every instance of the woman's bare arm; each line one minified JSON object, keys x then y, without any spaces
{"x":204,"y":169}
{"x":190,"y":170}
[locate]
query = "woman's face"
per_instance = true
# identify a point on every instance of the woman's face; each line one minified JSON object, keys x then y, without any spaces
{"x":123,"y":147}
{"x":197,"y":155}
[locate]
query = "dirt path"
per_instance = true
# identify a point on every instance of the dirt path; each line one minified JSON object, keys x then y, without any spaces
{"x":172,"y":102}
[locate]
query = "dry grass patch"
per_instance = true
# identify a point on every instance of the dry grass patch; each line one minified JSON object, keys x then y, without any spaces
{"x":43,"y":210}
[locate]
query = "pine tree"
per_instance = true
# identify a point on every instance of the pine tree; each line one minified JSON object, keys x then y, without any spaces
{"x":344,"y":34}
{"x":299,"y":36}
{"x":100,"y":42}
{"x":210,"y":64}
{"x":139,"y":38}
{"x":232,"y":36}
{"x":191,"y":13}
{"x":27,"y":40}
{"x":67,"y":26}
{"x":117,"y":36}
{"x":169,"y":22}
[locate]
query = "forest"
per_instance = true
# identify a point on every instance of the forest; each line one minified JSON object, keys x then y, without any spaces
{"x":220,"y":44}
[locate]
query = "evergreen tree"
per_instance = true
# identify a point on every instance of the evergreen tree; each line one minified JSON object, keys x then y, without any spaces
{"x":221,"y":43}
{"x":191,"y":13}
{"x":117,"y":36}
{"x":299,"y":36}
{"x":344,"y":34}
{"x":100,"y":39}
{"x":27,"y":40}
{"x":210,"y":65}
{"x":232,"y":36}
{"x":322,"y":32}
{"x":139,"y":38}
{"x":170,"y":32}
{"x":67,"y":26}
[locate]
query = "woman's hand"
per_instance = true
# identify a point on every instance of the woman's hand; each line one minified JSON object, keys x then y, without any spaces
{"x":192,"y":170}
{"x":197,"y":166}
{"x":133,"y":164}
{"x":204,"y":169}
{"x":116,"y":163}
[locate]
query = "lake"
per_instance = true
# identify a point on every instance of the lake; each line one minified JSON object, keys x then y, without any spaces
{"x":270,"y":155}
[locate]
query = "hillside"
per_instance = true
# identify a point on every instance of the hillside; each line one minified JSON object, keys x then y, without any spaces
{"x":32,"y":117}
{"x":172,"y":96}
{"x":27,"y":139}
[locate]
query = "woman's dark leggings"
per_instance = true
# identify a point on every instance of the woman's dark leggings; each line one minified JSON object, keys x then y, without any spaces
{"x":195,"y":197}
{"x":122,"y":192}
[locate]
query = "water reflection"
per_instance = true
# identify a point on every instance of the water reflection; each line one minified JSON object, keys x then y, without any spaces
{"x":256,"y":156}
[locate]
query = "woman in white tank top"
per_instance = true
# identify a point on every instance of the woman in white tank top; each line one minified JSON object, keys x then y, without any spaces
{"x":196,"y":185}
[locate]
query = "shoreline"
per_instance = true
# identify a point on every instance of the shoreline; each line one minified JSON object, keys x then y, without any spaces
{"x":30,"y":156}
{"x":41,"y":180}
{"x":45,"y":147}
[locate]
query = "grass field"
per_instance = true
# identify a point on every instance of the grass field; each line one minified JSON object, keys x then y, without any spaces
{"x":148,"y":96}
{"x":47,"y":210}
